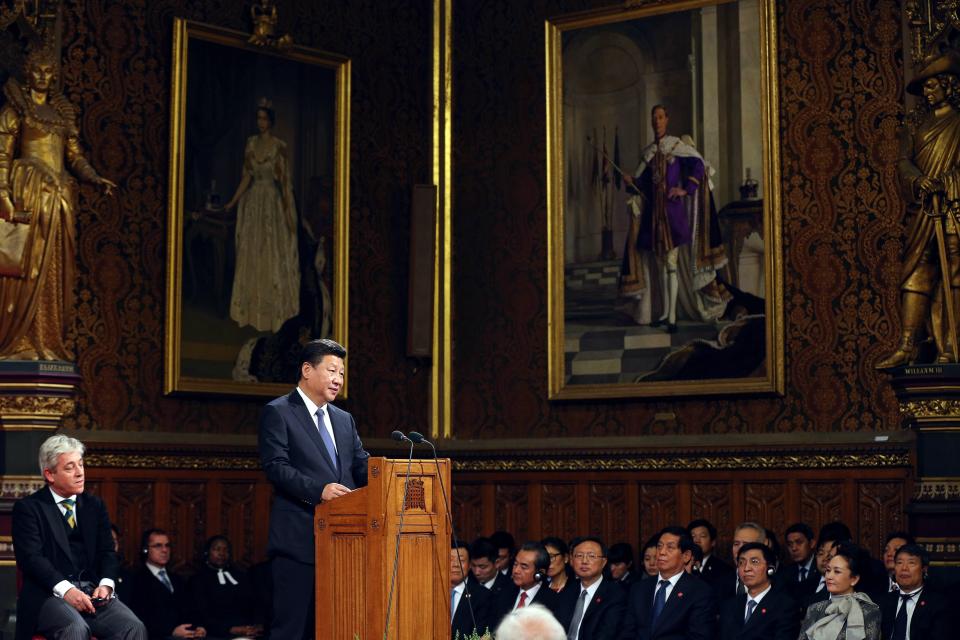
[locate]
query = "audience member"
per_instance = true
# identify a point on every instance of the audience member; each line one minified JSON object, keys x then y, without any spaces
{"x":675,"y":605}
{"x":505,"y":545}
{"x":560,"y":573}
{"x":61,"y":538}
{"x":599,"y":607}
{"x":718,"y":574}
{"x":745,"y":533}
{"x":893,"y":542}
{"x":693,"y":565}
{"x":801,"y":575}
{"x":650,"y":555}
{"x":762,"y":613}
{"x":915,"y":612}
{"x":222,"y":594}
{"x":534,"y":622}
{"x":620,"y":564}
{"x":831,"y":535}
{"x":529,"y":573}
{"x":159,"y":595}
{"x":470,"y":604}
{"x":122,"y":587}
{"x":483,"y":565}
{"x":847,"y":613}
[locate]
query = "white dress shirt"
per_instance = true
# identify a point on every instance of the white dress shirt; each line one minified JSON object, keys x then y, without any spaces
{"x":60,"y":589}
{"x":531,"y":594}
{"x":312,"y":410}
{"x":911,"y":605}
{"x":591,"y":591}
{"x":673,"y":582}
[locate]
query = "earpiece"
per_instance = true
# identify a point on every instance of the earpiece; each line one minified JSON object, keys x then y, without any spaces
{"x":538,"y":576}
{"x":771,"y":571}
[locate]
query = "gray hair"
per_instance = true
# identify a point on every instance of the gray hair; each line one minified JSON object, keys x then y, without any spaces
{"x":761,"y":532}
{"x":533,"y":622}
{"x":54,"y":447}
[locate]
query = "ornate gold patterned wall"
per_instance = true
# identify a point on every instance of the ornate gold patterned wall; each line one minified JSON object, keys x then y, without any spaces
{"x":841,"y":86}
{"x":117,"y":70}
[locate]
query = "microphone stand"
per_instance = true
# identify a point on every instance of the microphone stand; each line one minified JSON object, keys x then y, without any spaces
{"x":418,"y":438}
{"x":403,"y":510}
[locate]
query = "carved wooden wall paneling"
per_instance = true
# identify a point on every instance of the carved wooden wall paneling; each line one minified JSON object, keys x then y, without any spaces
{"x":632,"y":506}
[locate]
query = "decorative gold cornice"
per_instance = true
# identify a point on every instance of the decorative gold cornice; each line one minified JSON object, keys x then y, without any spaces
{"x":172,"y":461}
{"x":931,"y":408}
{"x":691,"y":463}
{"x":937,"y":490}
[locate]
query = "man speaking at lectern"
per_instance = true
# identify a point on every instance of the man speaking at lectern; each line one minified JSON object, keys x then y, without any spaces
{"x":311,"y":453}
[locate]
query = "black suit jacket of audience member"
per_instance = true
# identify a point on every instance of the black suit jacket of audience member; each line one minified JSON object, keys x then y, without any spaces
{"x":933,"y":618}
{"x":720,"y":576}
{"x":43,"y":551}
{"x":500,"y":583}
{"x":159,"y":610}
{"x":790,"y":578}
{"x":776,"y":617}
{"x":482,"y":601}
{"x":816,"y":596}
{"x":690,"y":613}
{"x":604,"y":617}
{"x":545,"y":596}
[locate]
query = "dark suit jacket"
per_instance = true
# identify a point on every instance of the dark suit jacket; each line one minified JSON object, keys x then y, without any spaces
{"x":777,"y":617}
{"x":43,"y":551}
{"x":544,"y":596}
{"x":482,"y":600}
{"x":933,"y":618}
{"x":690,"y":613}
{"x":159,"y":610}
{"x":815,"y":597}
{"x":720,"y":576}
{"x":604,"y":616}
{"x":790,"y":578}
{"x":297,"y":463}
{"x":500,"y":583}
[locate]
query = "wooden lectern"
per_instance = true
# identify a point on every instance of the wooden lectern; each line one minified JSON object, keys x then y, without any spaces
{"x":356,"y":538}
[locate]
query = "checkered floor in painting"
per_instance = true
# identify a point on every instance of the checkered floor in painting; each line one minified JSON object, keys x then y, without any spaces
{"x":603,"y":345}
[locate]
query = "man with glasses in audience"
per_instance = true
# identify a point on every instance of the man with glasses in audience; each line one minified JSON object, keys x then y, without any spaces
{"x":160,"y":596}
{"x":599,"y":607}
{"x":761,"y":612}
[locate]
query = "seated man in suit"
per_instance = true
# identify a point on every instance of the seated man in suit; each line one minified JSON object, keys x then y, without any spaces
{"x":762,"y":613}
{"x":894,"y":541}
{"x":674,"y":605}
{"x":160,"y":597}
{"x":801,"y":575}
{"x":745,"y":533}
{"x":598,"y":609}
{"x":483,"y":565}
{"x":65,"y":551}
{"x":506,"y":546}
{"x":469,"y":602}
{"x":915,"y":612}
{"x":718,"y":574}
{"x":528,"y":584}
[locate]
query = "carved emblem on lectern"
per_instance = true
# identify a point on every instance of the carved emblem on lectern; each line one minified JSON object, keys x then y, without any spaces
{"x":321,"y":524}
{"x":375,"y":471}
{"x":415,"y":495}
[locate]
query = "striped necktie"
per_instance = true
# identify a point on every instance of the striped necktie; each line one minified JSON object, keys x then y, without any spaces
{"x":69,"y":515}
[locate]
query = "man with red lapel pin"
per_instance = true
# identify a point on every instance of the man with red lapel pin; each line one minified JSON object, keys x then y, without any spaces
{"x":763,"y":612}
{"x":673,"y":605}
{"x":915,"y":612}
{"x":599,"y":603}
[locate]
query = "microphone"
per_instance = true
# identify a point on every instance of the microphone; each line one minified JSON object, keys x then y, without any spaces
{"x":399,"y":437}
{"x":417,"y":438}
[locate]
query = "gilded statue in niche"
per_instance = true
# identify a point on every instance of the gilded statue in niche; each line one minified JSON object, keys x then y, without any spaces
{"x":930,"y":180}
{"x":39,"y":141}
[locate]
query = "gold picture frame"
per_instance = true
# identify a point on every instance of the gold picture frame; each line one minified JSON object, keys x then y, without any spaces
{"x":234,"y":316}
{"x":710,"y":67}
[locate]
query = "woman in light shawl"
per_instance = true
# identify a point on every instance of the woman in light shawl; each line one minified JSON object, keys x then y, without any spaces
{"x":848,"y":614}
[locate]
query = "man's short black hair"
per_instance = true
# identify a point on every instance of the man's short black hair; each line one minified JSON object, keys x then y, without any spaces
{"x":145,"y":540}
{"x":701,"y":522}
{"x":503,"y":540}
{"x":578,"y":541}
{"x":314,"y":351}
{"x":768,"y":555}
{"x":542,"y":560}
{"x":686,"y":542}
{"x":556,"y":543}
{"x":460,"y":544}
{"x":835,"y":532}
{"x":620,"y":552}
{"x":483,"y":548}
{"x":800,"y":527}
{"x":899,"y":534}
{"x":916,"y":550}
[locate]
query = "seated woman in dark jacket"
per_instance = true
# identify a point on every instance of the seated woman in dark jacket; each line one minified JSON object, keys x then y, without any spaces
{"x":848,"y":614}
{"x":223,"y":594}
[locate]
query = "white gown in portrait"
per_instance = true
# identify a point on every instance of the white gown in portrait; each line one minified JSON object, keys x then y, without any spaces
{"x":266,"y":282}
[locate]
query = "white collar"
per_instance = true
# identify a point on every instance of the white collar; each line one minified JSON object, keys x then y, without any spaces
{"x":757,"y":598}
{"x":673,"y":581}
{"x":59,"y":498}
{"x":312,"y":407}
{"x":460,"y":587}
